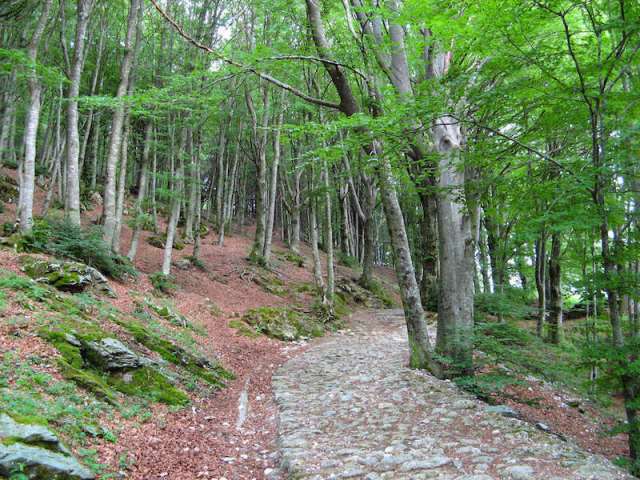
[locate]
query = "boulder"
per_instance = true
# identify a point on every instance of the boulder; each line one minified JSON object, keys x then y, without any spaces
{"x":503,"y":410}
{"x":30,"y":434}
{"x":40,"y":464}
{"x":37,"y":452}
{"x":111,"y":354}
{"x":67,"y":276}
{"x":96,"y":198}
{"x":158,"y":242}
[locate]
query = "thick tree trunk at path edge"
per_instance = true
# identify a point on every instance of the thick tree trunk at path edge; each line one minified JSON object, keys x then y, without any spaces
{"x":457,"y":257}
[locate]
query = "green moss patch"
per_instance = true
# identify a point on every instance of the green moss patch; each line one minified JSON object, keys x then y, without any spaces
{"x":149,"y":383}
{"x":243,"y":328}
{"x":212,"y":373}
{"x":283,"y":323}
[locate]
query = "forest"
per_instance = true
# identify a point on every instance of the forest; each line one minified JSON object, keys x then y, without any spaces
{"x":476,"y":164}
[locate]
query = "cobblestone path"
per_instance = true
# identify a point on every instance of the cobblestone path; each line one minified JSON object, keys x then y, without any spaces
{"x":349,"y":407}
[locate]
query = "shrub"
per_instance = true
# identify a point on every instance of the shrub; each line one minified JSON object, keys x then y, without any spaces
{"x":512,"y":303}
{"x":63,"y":239}
{"x":347,"y":260}
{"x":163,"y":283}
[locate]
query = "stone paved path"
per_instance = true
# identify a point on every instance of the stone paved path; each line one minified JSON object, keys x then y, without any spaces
{"x":350,"y":408}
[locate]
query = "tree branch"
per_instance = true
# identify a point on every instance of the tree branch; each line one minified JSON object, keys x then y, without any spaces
{"x":230,"y":61}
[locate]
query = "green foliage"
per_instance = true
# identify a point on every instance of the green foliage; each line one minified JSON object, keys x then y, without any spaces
{"x":30,"y":288}
{"x":63,"y":239}
{"x":163,"y":283}
{"x":513,"y":303}
{"x":347,"y":260}
{"x":243,"y":328}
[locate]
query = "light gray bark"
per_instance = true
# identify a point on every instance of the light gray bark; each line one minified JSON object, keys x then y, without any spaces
{"x":115,"y":137}
{"x":142,"y":191}
{"x":27,"y":177}
{"x":328,"y":233}
{"x":456,"y":241}
{"x":176,"y":202}
{"x":313,"y":226}
{"x":271,"y":211}
{"x":72,"y":203}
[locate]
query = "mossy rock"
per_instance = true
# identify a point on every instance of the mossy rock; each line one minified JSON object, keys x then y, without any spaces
{"x":211,"y":372}
{"x":146,"y":382}
{"x":283,"y":323}
{"x":158,"y":241}
{"x":73,"y":277}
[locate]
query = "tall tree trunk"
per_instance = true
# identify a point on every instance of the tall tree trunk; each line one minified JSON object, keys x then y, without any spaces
{"x":456,"y":253}
{"x":28,"y":176}
{"x":72,"y":204}
{"x":176,"y":202}
{"x":142,"y":191}
{"x":328,"y":233}
{"x":115,"y":137}
{"x":121,"y":186}
{"x":313,"y":225}
{"x":198,"y":206}
{"x":484,"y":261}
{"x":555,"y":299}
{"x":429,"y":230}
{"x":271,"y":211}
{"x":9,"y":101}
{"x":193,"y":194}
{"x":419,"y":345}
{"x":541,"y":281}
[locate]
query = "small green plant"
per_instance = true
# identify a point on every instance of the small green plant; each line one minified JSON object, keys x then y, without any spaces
{"x":196,"y":262}
{"x":163,"y":283}
{"x":293,"y":257}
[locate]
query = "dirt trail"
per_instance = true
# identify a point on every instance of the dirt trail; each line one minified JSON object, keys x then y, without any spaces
{"x":350,"y":408}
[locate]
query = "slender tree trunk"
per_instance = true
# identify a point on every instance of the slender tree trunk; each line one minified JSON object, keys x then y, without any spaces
{"x":115,"y":137}
{"x":72,"y":203}
{"x":28,"y":176}
{"x":198,"y":206}
{"x":122,"y":184}
{"x":484,"y":262}
{"x":541,"y":261}
{"x":9,"y":101}
{"x":555,"y":299}
{"x":328,"y":232}
{"x":271,"y":211}
{"x":142,"y":191}
{"x":419,"y":345}
{"x":317,"y":263}
{"x":193,"y":194}
{"x":176,"y":203}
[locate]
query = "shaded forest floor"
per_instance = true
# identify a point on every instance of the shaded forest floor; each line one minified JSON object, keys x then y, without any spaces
{"x":221,"y":435}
